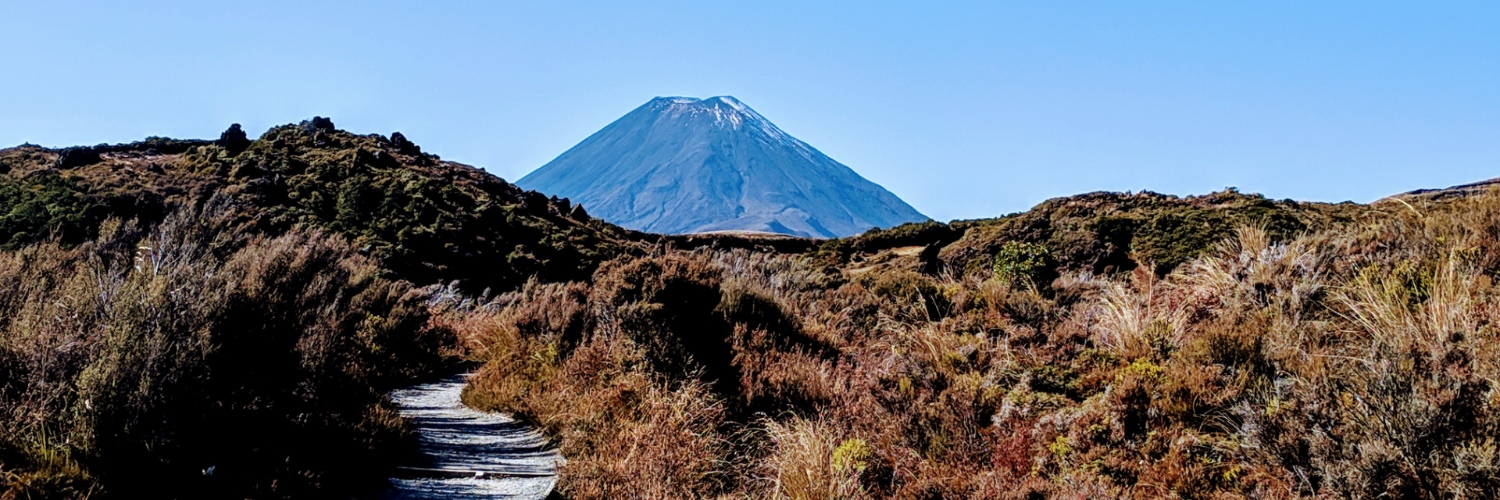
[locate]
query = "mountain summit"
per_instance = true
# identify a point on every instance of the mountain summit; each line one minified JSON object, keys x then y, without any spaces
{"x":684,"y":165}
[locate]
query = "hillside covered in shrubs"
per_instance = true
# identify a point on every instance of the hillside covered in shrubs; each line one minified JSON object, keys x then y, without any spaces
{"x":217,"y":319}
{"x":425,"y":219}
{"x":1101,"y":346}
{"x":191,"y":319}
{"x":195,"y":359}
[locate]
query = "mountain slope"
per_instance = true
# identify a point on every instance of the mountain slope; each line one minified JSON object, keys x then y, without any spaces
{"x":684,"y":165}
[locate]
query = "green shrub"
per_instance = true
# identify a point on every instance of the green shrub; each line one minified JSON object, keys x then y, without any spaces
{"x":43,"y":206}
{"x":1024,"y":264}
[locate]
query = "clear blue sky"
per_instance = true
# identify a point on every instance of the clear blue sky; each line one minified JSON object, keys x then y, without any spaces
{"x":965,"y":109}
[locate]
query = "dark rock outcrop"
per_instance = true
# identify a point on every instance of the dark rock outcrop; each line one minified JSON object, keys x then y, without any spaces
{"x":403,"y":145}
{"x":78,"y":156}
{"x":578,"y":213}
{"x":315,"y":124}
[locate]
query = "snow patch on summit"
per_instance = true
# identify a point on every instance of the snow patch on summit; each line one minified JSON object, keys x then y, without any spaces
{"x":732,"y":102}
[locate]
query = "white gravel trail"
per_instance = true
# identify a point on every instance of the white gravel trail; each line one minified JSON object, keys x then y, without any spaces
{"x":470,"y":453}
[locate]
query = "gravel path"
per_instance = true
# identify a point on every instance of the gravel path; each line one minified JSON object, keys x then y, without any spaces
{"x":470,"y":453}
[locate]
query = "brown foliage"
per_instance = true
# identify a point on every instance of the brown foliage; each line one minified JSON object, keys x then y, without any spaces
{"x":1357,"y":361}
{"x":137,"y":361}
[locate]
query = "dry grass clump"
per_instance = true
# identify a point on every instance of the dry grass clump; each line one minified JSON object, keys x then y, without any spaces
{"x":810,"y":462}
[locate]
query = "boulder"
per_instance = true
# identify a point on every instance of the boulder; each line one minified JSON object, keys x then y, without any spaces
{"x":404,"y":146}
{"x":316,"y":124}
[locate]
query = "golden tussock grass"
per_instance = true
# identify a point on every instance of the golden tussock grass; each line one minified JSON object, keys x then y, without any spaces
{"x":1356,"y":361}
